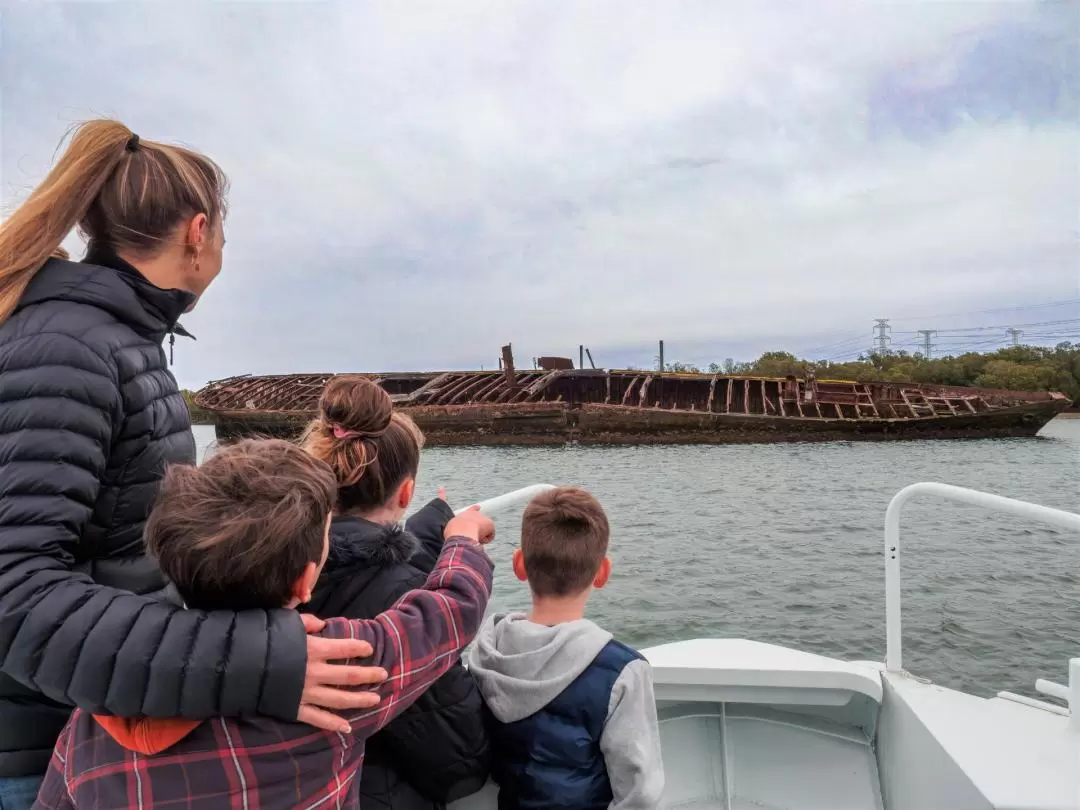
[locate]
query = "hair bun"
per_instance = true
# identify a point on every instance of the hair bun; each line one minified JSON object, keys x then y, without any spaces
{"x":355,"y":406}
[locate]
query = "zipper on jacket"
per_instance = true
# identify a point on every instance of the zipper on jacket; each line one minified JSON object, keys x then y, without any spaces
{"x":177,"y":328}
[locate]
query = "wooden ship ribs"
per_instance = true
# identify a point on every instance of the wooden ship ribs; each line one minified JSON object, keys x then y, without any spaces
{"x":597,"y":406}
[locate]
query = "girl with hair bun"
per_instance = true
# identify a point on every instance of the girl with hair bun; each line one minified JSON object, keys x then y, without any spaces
{"x":437,"y":751}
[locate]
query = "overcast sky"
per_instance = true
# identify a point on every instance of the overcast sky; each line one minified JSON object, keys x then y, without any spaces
{"x":416,"y":183}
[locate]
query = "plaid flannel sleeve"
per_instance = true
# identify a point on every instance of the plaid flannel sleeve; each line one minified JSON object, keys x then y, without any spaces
{"x":422,"y":635}
{"x":53,"y":794}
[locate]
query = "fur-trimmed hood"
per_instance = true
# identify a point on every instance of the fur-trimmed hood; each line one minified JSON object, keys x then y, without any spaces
{"x":357,"y":544}
{"x":370,"y":565}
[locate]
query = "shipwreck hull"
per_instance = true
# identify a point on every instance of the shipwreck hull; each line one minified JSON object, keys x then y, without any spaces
{"x":600,"y":407}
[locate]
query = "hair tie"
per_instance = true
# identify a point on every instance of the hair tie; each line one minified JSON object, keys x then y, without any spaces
{"x":344,"y":433}
{"x":133,"y":143}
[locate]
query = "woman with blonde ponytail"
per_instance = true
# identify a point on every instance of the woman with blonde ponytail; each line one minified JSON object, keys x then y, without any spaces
{"x":90,"y":416}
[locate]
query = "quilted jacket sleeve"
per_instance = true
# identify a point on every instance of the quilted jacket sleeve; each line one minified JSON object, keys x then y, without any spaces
{"x":102,"y":649}
{"x":427,"y":526}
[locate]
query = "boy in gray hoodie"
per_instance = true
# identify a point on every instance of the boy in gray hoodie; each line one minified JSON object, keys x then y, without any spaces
{"x":573,"y":714}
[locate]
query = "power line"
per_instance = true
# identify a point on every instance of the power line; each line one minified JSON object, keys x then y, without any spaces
{"x":883,"y":335}
{"x":970,"y":343}
{"x":853,"y":339}
{"x":998,"y":326}
{"x":1047,"y":305}
{"x":842,"y":344}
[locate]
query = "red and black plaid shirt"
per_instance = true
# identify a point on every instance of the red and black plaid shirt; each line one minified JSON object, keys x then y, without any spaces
{"x":262,"y":764}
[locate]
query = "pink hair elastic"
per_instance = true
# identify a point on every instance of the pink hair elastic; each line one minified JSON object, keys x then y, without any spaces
{"x":342,"y":433}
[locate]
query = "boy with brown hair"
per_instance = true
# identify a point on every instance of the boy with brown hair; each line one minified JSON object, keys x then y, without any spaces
{"x":574,"y":713}
{"x":249,"y":529}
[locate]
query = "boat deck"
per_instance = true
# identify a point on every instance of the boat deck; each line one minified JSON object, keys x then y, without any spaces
{"x":752,"y":726}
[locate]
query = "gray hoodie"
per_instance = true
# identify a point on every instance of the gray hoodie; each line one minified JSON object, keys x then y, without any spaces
{"x":520,"y":667}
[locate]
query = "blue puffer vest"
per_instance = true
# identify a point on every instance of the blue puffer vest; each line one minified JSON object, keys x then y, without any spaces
{"x":552,"y":758}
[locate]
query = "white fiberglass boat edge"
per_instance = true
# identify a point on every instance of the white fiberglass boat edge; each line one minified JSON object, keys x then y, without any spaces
{"x":753,"y":726}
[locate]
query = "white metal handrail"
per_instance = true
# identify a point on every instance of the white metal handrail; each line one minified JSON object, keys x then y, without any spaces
{"x":1070,"y":694}
{"x":508,"y":499}
{"x":1042,"y":705}
{"x":1031,"y":511}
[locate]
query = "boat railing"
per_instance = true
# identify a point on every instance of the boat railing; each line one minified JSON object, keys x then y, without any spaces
{"x":1022,"y":509}
{"x":510,"y":499}
{"x":1059,"y":518}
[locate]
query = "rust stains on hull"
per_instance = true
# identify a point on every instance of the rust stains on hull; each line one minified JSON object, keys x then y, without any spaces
{"x":626,"y":407}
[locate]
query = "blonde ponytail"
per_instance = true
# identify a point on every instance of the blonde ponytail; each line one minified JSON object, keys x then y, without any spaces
{"x":35,"y":230}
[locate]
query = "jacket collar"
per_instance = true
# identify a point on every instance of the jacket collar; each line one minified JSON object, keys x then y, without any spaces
{"x":106,"y":281}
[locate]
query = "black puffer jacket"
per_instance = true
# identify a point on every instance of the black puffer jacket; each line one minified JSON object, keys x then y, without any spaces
{"x":437,"y":751}
{"x":89,"y":417}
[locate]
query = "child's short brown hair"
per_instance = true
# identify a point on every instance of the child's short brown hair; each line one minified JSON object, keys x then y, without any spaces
{"x":237,"y":532}
{"x":564,"y":539}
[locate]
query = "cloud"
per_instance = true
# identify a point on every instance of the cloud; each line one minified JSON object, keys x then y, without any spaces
{"x":415,"y":184}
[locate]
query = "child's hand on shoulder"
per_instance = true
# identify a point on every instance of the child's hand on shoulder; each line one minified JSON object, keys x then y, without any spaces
{"x":473,"y":524}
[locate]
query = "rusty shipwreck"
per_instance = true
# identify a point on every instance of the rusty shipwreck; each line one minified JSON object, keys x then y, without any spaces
{"x":556,"y":404}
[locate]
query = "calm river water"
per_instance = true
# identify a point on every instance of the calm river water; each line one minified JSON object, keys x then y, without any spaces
{"x":782,"y":543}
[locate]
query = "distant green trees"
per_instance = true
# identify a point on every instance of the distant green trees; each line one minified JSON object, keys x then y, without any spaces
{"x":1020,"y":368}
{"x":198,"y":415}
